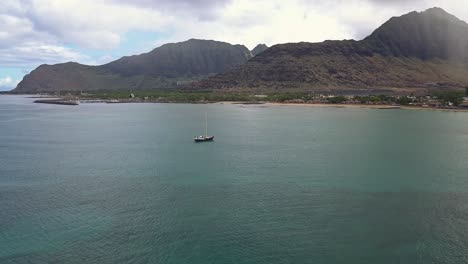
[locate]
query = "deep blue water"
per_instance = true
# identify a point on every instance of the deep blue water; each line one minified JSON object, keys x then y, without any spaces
{"x":124,"y":183}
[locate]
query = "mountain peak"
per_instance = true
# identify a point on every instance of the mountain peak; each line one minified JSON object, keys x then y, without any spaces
{"x":433,"y":33}
{"x":436,"y":11}
{"x":410,"y":51}
{"x":259,"y":49}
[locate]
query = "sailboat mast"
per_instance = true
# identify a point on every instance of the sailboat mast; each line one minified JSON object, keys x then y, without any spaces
{"x":206,"y":124}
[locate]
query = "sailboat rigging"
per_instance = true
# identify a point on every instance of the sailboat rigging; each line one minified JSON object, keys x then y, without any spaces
{"x":205,"y":137}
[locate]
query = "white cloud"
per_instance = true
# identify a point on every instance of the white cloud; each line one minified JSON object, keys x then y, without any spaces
{"x":7,"y":83}
{"x":275,"y":21}
{"x":266,"y":22}
{"x":32,"y":53}
{"x":100,"y":24}
{"x":101,"y":60}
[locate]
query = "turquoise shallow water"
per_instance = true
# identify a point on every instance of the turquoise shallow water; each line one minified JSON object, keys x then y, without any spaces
{"x":124,"y":183}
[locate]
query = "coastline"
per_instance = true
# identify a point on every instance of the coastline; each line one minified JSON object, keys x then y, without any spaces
{"x":381,"y":107}
{"x":262,"y":103}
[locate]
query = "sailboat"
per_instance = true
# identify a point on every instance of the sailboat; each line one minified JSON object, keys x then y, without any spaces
{"x":205,"y":137}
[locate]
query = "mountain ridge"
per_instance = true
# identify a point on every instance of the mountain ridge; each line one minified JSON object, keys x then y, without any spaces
{"x":418,"y":50}
{"x":164,"y":67}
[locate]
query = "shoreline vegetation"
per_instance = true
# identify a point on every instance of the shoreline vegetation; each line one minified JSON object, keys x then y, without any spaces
{"x":382,"y":107}
{"x":448,"y":100}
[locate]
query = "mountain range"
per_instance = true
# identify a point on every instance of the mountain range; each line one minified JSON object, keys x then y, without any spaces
{"x":411,"y":53}
{"x":168,"y":66}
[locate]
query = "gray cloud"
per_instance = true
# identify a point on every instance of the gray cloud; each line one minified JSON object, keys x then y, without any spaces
{"x":202,"y":9}
{"x":23,"y":45}
{"x":33,"y":32}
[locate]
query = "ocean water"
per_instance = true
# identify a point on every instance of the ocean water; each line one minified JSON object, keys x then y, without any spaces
{"x":124,"y":183}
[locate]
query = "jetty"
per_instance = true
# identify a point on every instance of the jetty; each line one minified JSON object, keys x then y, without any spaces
{"x":58,"y":102}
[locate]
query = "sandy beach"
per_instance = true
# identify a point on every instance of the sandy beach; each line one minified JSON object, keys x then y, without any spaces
{"x":382,"y":107}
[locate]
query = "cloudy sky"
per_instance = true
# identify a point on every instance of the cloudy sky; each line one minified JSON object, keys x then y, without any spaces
{"x":33,"y":32}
